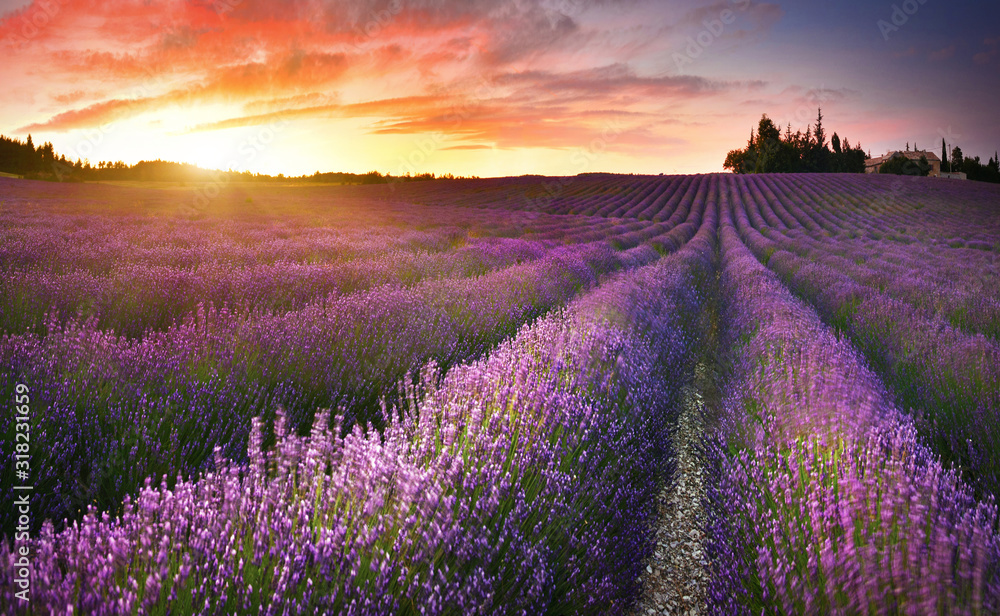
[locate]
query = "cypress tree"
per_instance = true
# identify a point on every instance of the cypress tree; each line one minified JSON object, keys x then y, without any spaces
{"x":820,"y":135}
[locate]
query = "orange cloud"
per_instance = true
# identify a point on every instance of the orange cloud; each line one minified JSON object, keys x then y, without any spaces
{"x":483,"y":74}
{"x":528,"y":109}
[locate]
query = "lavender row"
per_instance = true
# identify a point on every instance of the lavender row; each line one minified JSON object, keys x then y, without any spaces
{"x":958,"y":292}
{"x":901,"y":210}
{"x":58,"y":242}
{"x":918,"y":223}
{"x":166,"y":398}
{"x":97,"y":227}
{"x":957,"y":283}
{"x":949,"y":378}
{"x":654,"y":199}
{"x":96,"y":243}
{"x":824,"y":500}
{"x":137,"y":272}
{"x":113,"y":410}
{"x":135,"y":298}
{"x":522,"y":483}
{"x":925,"y":208}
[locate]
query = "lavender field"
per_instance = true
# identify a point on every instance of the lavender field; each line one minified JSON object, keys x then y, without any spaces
{"x":463,"y":397}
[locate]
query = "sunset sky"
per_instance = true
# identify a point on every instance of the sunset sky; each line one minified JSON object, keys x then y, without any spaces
{"x":490,"y":88}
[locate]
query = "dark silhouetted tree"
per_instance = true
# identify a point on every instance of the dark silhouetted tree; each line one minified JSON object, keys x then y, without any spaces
{"x":956,"y":158}
{"x":976,"y":170}
{"x":768,"y":151}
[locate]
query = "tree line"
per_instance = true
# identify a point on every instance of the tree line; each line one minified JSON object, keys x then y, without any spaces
{"x":24,"y":159}
{"x":971,"y":167}
{"x":768,"y":151}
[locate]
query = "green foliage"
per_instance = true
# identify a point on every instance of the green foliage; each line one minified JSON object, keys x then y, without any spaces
{"x":975,"y":170}
{"x":771,"y":152}
{"x":24,"y":159}
{"x":956,"y":158}
{"x":899,"y":164}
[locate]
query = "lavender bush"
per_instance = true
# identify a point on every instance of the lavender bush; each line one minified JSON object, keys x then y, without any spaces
{"x":841,"y":508}
{"x":506,"y":358}
{"x":949,"y":377}
{"x":522,"y":483}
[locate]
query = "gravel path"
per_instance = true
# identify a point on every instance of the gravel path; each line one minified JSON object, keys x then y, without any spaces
{"x":676,"y":577}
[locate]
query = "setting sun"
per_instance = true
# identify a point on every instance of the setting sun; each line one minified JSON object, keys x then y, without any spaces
{"x":499,"y":307}
{"x":503,"y":87}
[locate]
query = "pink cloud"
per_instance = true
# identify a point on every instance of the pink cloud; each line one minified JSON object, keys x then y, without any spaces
{"x":942,"y":54}
{"x":488,"y":74}
{"x":988,"y":56}
{"x":985,"y":57}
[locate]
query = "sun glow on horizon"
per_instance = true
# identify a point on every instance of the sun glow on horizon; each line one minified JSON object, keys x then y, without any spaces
{"x":494,"y":88}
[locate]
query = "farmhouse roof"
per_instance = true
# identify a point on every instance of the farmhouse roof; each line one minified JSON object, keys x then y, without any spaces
{"x":913,"y":155}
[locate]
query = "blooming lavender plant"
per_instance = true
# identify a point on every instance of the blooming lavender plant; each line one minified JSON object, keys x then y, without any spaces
{"x":842,"y":508}
{"x":506,"y":360}
{"x":949,"y":377}
{"x":521,"y":483}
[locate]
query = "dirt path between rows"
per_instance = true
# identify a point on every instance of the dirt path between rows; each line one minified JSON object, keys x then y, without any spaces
{"x":675,"y":580}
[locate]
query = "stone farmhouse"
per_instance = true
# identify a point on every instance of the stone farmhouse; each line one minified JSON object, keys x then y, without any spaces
{"x":872,"y":164}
